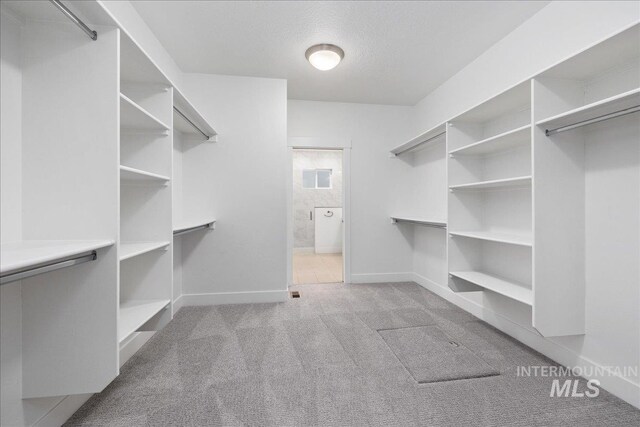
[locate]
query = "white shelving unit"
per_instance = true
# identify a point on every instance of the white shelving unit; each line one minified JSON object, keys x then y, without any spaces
{"x":33,"y":253}
{"x":418,"y":221}
{"x":490,"y":204}
{"x":505,"y":141}
{"x":516,"y":291}
{"x":519,"y":181}
{"x":510,"y":239}
{"x":135,"y":314}
{"x":430,"y":136}
{"x":133,"y":175}
{"x":133,"y":249}
{"x":134,"y":117}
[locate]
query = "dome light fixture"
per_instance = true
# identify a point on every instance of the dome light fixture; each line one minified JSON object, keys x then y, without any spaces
{"x":324,"y":56}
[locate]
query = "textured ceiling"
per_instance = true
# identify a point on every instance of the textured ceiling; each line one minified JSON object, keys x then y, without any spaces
{"x":395,"y":52}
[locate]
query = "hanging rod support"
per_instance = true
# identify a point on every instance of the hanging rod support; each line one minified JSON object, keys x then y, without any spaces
{"x":619,"y":113}
{"x":91,"y":33}
{"x":191,"y":123}
{"x":420,"y":143}
{"x":46,"y":268}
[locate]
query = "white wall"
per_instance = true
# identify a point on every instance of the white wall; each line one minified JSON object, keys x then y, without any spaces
{"x":242,"y":182}
{"x":556,"y":32}
{"x":379,"y":252}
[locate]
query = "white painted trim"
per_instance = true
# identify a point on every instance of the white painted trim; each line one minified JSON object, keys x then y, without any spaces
{"x":614,"y":384}
{"x":318,"y":142}
{"x":68,"y":405}
{"x":178,"y":303}
{"x":381,"y":277}
{"x":343,"y":144}
{"x":234,"y":298}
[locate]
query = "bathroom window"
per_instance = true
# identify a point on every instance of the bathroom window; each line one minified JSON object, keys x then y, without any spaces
{"x":316,"y":178}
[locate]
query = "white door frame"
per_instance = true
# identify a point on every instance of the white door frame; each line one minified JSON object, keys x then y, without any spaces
{"x":343,"y":144}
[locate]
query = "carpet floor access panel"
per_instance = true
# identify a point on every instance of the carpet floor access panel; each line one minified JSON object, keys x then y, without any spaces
{"x":340,"y":355}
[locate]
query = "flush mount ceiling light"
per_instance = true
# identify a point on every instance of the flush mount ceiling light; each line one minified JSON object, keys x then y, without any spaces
{"x":324,"y":56}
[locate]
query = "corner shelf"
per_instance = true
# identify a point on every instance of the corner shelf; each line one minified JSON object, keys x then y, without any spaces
{"x":424,"y":222}
{"x":429,"y":136}
{"x":135,"y":313}
{"x":133,"y":116}
{"x":133,"y":249}
{"x":521,"y":181}
{"x":623,"y":101}
{"x":504,"y":141}
{"x":508,"y":288}
{"x":511,"y":239}
{"x":139,"y":176}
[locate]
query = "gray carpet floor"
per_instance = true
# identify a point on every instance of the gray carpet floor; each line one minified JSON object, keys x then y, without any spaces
{"x":326,"y":359}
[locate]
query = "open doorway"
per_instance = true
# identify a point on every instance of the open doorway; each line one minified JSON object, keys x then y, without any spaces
{"x":318,"y":224}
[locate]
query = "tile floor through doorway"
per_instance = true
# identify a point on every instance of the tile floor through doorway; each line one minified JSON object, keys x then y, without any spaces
{"x":316,"y":268}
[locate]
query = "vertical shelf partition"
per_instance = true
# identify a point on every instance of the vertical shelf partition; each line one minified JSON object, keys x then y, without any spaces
{"x":490,"y":202}
{"x":146,"y":116}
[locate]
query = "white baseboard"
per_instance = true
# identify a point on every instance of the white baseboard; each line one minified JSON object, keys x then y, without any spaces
{"x":177,"y":304}
{"x":381,"y":277}
{"x":68,"y":405}
{"x":234,"y":298}
{"x":614,"y":384}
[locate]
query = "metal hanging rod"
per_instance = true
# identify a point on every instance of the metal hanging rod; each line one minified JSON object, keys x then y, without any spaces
{"x":420,"y":143}
{"x":418,"y":222}
{"x":46,"y":268}
{"x":608,"y":116}
{"x":191,"y":123}
{"x":91,"y":33}
{"x":197,"y":227}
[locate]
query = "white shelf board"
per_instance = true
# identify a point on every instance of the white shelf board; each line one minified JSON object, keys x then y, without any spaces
{"x":181,"y":102}
{"x":504,"y":141}
{"x":590,"y":111}
{"x":31,"y":253}
{"x":136,"y":175}
{"x":136,"y":66}
{"x":429,"y":135}
{"x":521,"y":181}
{"x":420,"y":221}
{"x":135,"y":313}
{"x":517,"y":98}
{"x":133,"y":249}
{"x":511,"y":289}
{"x":512,"y":239}
{"x":133,"y":116}
{"x":189,"y":227}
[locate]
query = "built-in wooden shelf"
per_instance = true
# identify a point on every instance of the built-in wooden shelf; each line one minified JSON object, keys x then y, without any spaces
{"x":132,"y":249}
{"x":139,"y":176}
{"x":521,"y":181}
{"x":511,"y":239}
{"x":134,"y":117}
{"x":135,"y":313}
{"x":508,"y":288}
{"x":31,"y":253}
{"x":504,"y":141}
{"x":432,"y":135}
{"x":600,"y":108}
{"x":419,"y":221}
